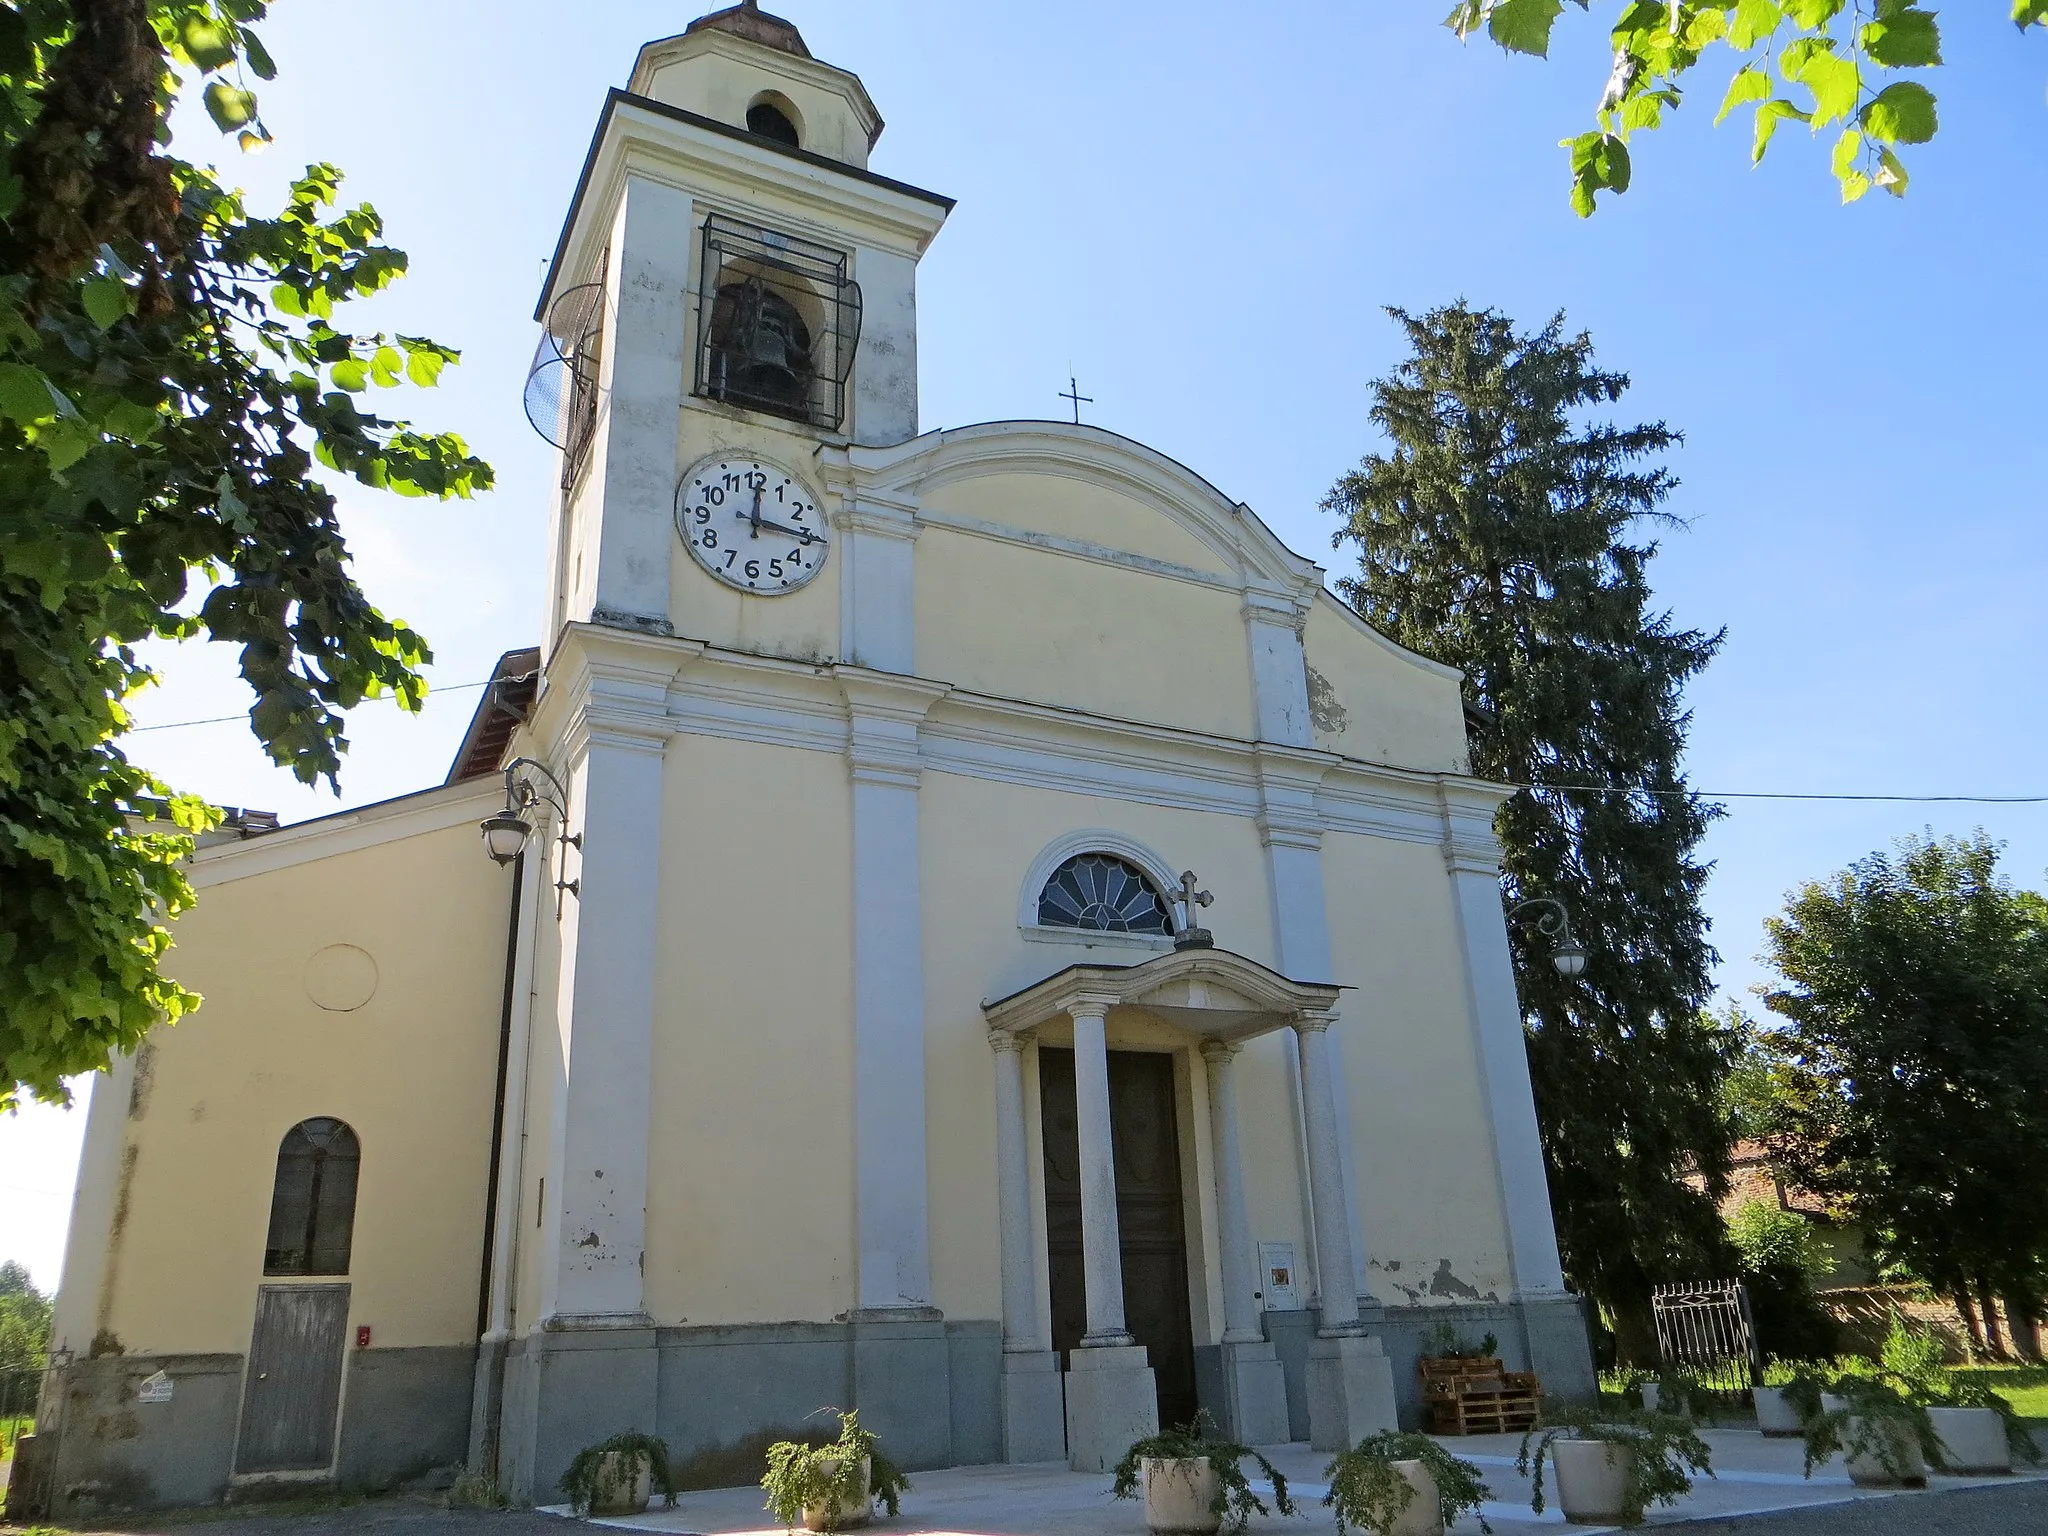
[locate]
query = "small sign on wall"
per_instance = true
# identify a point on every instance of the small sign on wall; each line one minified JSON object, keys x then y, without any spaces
{"x":1278,"y":1290}
{"x":155,"y":1388}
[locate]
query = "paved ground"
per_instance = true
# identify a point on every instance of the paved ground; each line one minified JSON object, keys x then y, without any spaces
{"x":1758,"y":1491}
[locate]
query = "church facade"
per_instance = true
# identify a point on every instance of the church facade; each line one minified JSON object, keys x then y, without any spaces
{"x":966,"y":927}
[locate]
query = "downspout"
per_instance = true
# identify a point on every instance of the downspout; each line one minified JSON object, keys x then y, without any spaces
{"x":483,"y":1291}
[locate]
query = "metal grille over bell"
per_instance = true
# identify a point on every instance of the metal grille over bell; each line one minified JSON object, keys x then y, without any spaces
{"x":778,"y":320}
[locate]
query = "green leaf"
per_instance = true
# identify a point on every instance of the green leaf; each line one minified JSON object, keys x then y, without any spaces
{"x":1747,"y":86}
{"x":386,"y":364}
{"x":26,"y":396}
{"x":423,"y":365}
{"x":1848,"y":147}
{"x":1902,"y":113}
{"x":1834,"y":80}
{"x":1911,"y":39}
{"x":260,"y":62}
{"x":352,"y":374}
{"x":1523,"y":26}
{"x":1754,"y":20}
{"x":106,"y":300}
{"x":1768,"y":116}
{"x":206,"y":44}
{"x":1891,"y":173}
{"x":2030,"y":13}
{"x":1465,"y":15}
{"x":1813,"y":14}
{"x":228,"y":107}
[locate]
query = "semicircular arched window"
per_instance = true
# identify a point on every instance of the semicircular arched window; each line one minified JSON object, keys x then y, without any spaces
{"x":313,"y":1201}
{"x":1101,"y":892}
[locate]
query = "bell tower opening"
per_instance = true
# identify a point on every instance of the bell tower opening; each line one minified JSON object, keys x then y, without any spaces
{"x":773,"y":119}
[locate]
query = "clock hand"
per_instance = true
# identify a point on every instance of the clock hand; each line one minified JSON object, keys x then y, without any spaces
{"x":759,"y":522}
{"x":756,"y":518}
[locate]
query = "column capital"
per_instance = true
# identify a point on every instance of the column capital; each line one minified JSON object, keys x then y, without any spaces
{"x":1088,"y":1006}
{"x":1219,"y":1050}
{"x":1002,"y":1041}
{"x":1314,"y":1020}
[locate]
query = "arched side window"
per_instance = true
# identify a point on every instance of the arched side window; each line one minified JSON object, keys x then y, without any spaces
{"x":313,"y":1202}
{"x":1102,"y":892}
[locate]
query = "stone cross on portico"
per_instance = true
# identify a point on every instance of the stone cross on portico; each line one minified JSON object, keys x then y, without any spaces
{"x":1192,"y":935}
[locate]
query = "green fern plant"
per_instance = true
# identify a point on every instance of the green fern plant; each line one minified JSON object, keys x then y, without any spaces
{"x":1876,"y":1420}
{"x":591,"y":1478}
{"x":1235,"y":1502}
{"x":828,"y":1477}
{"x":1367,"y":1492}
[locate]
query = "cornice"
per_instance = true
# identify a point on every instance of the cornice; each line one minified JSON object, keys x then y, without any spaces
{"x":368,"y":826}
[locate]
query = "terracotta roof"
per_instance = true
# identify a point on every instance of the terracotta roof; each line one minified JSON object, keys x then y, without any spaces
{"x":755,"y":25}
{"x":514,"y":681}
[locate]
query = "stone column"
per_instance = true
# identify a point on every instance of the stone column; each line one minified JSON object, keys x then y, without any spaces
{"x":1350,"y":1384}
{"x":1112,"y":1398}
{"x":1031,"y":1407}
{"x":1255,"y":1387}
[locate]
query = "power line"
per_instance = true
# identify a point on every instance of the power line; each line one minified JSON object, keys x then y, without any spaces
{"x":179,"y":725}
{"x":1786,"y":794}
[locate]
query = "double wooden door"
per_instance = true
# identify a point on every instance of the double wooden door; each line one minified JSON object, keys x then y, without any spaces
{"x":1149,"y":1213}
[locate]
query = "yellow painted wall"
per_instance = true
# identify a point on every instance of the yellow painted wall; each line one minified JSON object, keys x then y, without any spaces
{"x":1032,"y":624}
{"x":723,"y":88}
{"x":1369,"y":701}
{"x":752,"y":1136}
{"x":1076,"y":509}
{"x":412,"y":1071}
{"x":1427,"y":1188}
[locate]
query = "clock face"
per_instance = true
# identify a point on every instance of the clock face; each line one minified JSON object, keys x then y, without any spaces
{"x":752,"y":524}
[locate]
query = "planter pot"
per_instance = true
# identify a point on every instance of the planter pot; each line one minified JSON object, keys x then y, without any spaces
{"x":1869,"y":1471}
{"x":1972,"y":1439}
{"x":1775,"y":1416}
{"x":621,"y":1489}
{"x":830,"y":1515}
{"x":1178,"y":1493}
{"x":1592,"y":1479}
{"x":1653,"y":1397}
{"x":1421,"y":1517}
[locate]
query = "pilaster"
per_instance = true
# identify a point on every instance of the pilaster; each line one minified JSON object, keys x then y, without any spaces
{"x":1472,"y":859}
{"x":892,"y":1213}
{"x":877,"y":576}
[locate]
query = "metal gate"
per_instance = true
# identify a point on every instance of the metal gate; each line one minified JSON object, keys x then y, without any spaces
{"x":1705,"y":1334}
{"x":293,"y":1386}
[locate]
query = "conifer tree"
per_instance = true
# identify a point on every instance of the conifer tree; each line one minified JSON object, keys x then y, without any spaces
{"x":1499,"y":534}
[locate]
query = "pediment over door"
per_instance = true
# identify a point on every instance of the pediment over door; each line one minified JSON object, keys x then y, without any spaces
{"x":1210,"y":993}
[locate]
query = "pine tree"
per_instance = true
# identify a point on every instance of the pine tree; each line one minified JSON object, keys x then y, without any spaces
{"x":1495,"y":536}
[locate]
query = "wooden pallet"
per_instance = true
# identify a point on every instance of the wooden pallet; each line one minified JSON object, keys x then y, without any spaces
{"x":1477,"y":1397}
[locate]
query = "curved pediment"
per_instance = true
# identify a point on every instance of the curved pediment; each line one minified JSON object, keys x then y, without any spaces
{"x":1211,"y":993}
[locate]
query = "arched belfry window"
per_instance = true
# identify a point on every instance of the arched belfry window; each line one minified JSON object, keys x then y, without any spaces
{"x":1102,"y":892}
{"x":771,"y":122}
{"x":778,"y":322}
{"x":313,"y":1202}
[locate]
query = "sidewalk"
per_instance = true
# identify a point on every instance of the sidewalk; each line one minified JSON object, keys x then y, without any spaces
{"x":1753,"y":1475}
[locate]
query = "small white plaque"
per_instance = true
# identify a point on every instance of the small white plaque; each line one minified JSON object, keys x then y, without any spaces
{"x":1278,"y":1283}
{"x":156,"y":1388}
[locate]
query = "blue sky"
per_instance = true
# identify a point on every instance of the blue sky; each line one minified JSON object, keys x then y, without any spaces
{"x":1201,"y":209}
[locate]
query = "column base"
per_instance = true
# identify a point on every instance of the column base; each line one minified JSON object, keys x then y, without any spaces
{"x":1255,"y":1391}
{"x":1034,"y":1423}
{"x":1112,"y":1402}
{"x":1350,"y":1392}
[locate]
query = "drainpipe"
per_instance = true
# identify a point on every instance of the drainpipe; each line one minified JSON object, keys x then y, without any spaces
{"x":501,"y":1197}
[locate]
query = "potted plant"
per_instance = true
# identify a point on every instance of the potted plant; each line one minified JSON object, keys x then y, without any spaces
{"x":1977,"y":1428}
{"x":1398,"y":1483}
{"x":617,"y":1476}
{"x":1442,"y":1341}
{"x":1884,"y":1436}
{"x":1612,"y":1464}
{"x":1193,"y":1482}
{"x":832,"y":1487}
{"x":1787,"y":1384}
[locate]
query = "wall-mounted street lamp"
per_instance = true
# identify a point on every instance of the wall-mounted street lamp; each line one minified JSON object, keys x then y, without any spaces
{"x":1553,"y":922}
{"x":529,"y":783}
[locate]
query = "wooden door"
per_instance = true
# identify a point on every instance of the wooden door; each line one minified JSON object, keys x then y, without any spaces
{"x":1146,"y":1143}
{"x":293,"y":1387}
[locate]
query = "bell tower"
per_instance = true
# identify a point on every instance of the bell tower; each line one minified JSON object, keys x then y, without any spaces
{"x":732,"y":283}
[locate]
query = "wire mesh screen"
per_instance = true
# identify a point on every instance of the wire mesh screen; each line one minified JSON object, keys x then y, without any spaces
{"x":778,"y":319}
{"x":1705,"y":1334}
{"x":562,"y":384}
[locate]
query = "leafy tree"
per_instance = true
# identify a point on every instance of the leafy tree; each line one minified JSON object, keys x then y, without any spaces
{"x":1495,"y":535}
{"x":1825,"y":63}
{"x":170,"y":375}
{"x":1916,"y":994}
{"x":1781,"y":1255}
{"x":24,"y":1318}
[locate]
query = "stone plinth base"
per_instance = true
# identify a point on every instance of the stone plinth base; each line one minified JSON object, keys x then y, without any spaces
{"x":1033,"y":1427}
{"x":1350,"y":1392}
{"x":1112,"y":1401}
{"x":1255,"y":1386}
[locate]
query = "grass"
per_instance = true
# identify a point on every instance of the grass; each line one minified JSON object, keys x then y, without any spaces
{"x":12,"y":1430}
{"x":2024,"y":1386}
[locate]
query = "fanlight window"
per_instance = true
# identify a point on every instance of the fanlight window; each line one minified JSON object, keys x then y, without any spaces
{"x":313,"y":1202}
{"x":1098,"y":891}
{"x":778,"y":320}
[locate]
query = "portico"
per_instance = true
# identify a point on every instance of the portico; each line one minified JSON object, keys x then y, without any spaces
{"x":1214,"y":1001}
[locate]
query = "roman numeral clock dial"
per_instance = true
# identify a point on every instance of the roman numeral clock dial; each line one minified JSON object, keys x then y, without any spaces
{"x":752,"y":524}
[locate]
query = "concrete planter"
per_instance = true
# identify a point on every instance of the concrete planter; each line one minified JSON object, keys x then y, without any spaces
{"x":1775,"y":1416}
{"x":1972,"y":1439}
{"x":1421,"y":1517}
{"x":1179,"y":1491}
{"x":620,"y":1488}
{"x":1592,"y":1479}
{"x":1653,"y":1397}
{"x":1869,"y":1471}
{"x":829,"y":1515}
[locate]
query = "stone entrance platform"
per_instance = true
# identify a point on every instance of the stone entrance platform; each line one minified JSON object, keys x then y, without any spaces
{"x":1752,"y":1475}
